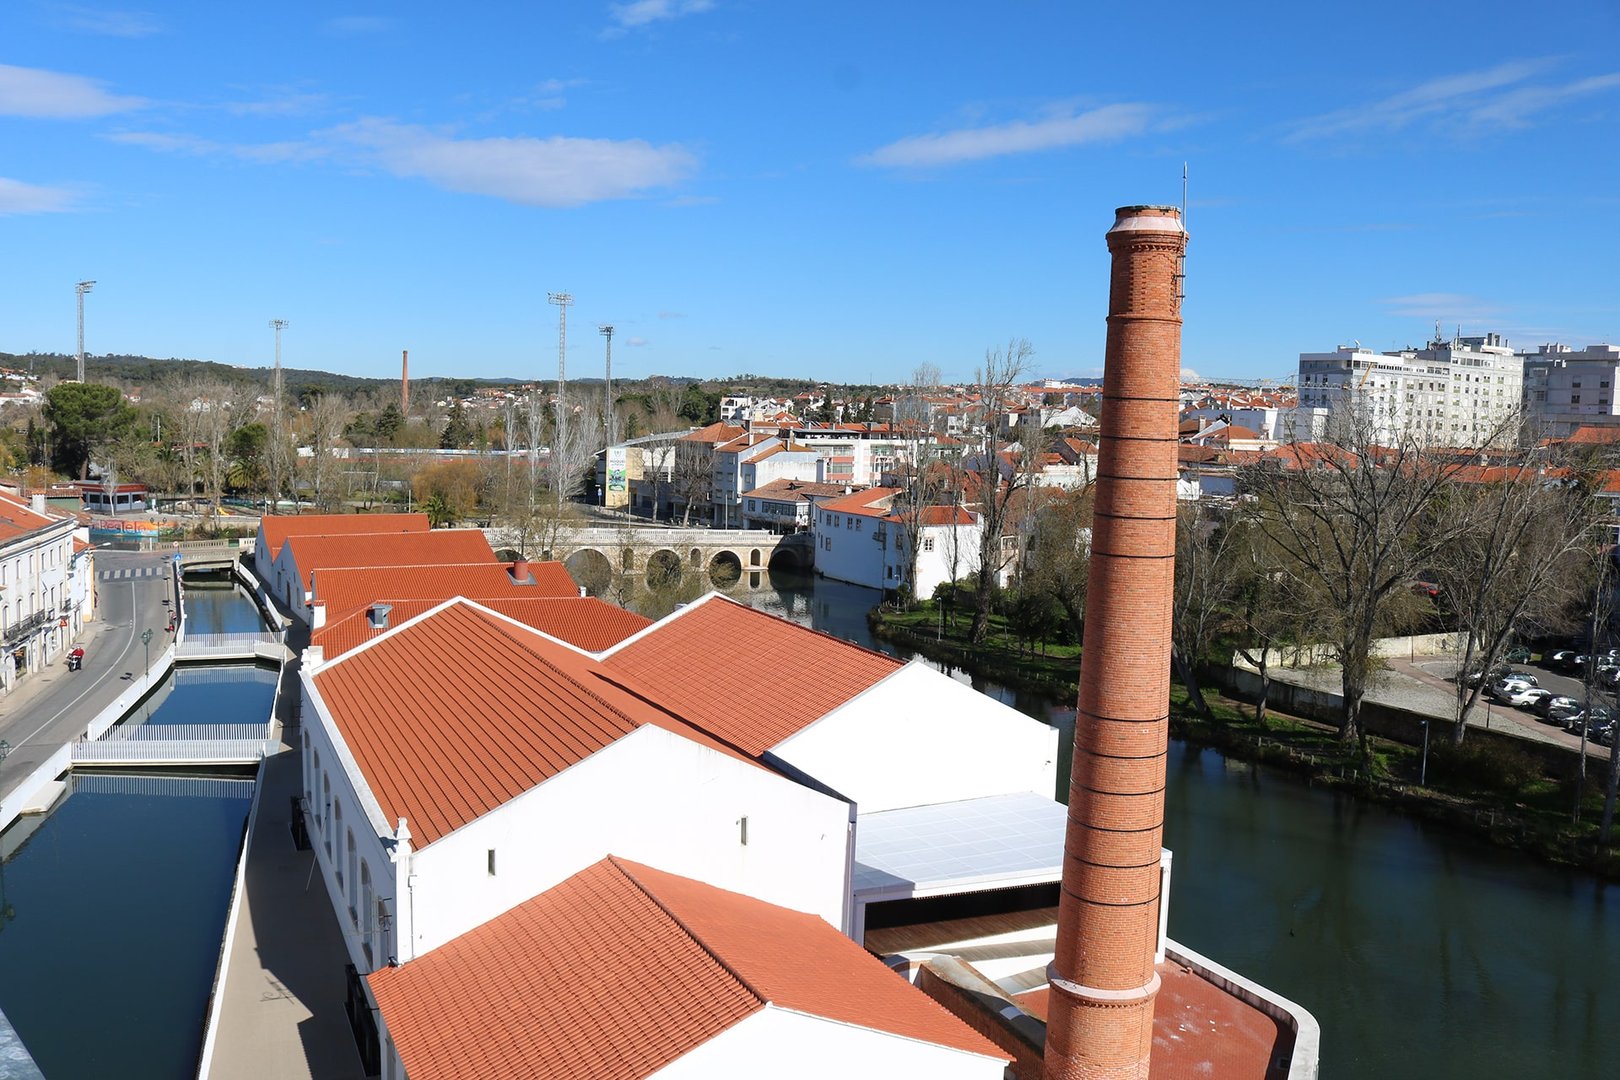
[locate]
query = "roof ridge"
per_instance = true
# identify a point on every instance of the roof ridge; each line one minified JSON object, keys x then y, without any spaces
{"x":898,"y":663}
{"x":623,"y":867}
{"x":505,"y":626}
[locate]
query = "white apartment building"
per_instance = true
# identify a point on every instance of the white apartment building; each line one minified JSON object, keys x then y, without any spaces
{"x":1566,"y":388}
{"x":1463,"y":392}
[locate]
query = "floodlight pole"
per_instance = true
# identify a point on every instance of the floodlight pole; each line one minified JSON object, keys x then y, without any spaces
{"x":81,"y":288}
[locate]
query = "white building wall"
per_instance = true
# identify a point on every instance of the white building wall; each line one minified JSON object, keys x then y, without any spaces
{"x":851,"y":547}
{"x":789,"y":1045}
{"x":921,"y":737}
{"x":651,"y":797}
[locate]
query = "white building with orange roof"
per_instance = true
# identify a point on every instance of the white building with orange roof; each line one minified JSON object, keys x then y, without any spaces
{"x":274,"y":530}
{"x":293,"y":570}
{"x":44,"y":585}
{"x":861,"y":539}
{"x":336,"y":592}
{"x":751,"y":461}
{"x":462,"y":763}
{"x":623,"y":971}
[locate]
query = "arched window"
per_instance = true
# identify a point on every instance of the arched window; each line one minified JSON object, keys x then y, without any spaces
{"x":337,"y":831}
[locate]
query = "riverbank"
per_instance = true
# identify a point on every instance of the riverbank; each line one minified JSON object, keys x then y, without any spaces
{"x":1505,"y":797}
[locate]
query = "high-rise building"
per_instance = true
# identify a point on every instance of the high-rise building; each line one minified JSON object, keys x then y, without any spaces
{"x":1462,"y":392}
{"x":1567,"y":388}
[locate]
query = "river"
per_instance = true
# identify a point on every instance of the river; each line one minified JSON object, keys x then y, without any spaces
{"x":1421,"y":951}
{"x":113,"y":904}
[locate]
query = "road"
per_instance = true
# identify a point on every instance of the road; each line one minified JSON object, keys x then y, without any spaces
{"x":52,"y":707}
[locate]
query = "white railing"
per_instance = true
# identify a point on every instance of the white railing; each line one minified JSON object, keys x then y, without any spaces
{"x":255,"y":637}
{"x":170,"y":751}
{"x":186,"y":732}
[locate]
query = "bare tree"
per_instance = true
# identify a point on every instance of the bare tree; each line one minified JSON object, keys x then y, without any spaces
{"x":215,"y":411}
{"x":1265,"y":612}
{"x":325,"y":418}
{"x":1509,"y":563}
{"x":1354,"y":519}
{"x":922,"y":475}
{"x":993,"y":385}
{"x":1204,"y":588}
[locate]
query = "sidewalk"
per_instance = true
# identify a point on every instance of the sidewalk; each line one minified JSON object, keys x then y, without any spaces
{"x":282,"y":1002}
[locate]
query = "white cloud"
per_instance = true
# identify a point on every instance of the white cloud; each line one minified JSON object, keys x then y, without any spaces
{"x":280,"y":103}
{"x":1500,"y":96}
{"x":261,"y":153}
{"x":642,"y":12}
{"x":1447,"y":307}
{"x":1104,"y":124}
{"x":636,"y":342}
{"x":558,"y":171}
{"x":672,"y":314}
{"x":122,"y":24}
{"x":43,"y":94}
{"x":17,"y":197}
{"x":1190,"y":375}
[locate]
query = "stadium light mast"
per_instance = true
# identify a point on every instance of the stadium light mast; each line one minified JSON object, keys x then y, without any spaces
{"x":562,"y":300}
{"x":81,"y":288}
{"x":606,"y":330}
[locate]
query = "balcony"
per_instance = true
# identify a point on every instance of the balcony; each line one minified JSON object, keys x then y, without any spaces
{"x":26,"y":627}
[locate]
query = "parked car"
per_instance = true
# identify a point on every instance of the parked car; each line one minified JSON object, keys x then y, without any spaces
{"x":1596,"y":719}
{"x":1527,"y":697}
{"x":1426,"y":588}
{"x":1560,"y":659}
{"x":1517,"y":655}
{"x":1553,"y":704}
{"x":1495,"y":674}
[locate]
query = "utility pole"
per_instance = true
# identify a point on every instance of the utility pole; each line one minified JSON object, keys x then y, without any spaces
{"x":562,"y":300}
{"x":81,"y":288}
{"x":278,"y":325}
{"x":606,"y":330}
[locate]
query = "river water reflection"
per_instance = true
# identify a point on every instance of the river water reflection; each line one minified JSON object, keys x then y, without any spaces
{"x":1422,"y":952}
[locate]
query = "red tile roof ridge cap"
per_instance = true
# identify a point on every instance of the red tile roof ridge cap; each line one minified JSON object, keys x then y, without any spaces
{"x":327,"y":665}
{"x":519,"y":624}
{"x":628,"y":868}
{"x":644,"y":694}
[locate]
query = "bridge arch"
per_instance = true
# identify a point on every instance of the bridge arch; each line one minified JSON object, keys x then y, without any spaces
{"x":725,"y":569}
{"x":590,"y":568}
{"x":663,"y":569}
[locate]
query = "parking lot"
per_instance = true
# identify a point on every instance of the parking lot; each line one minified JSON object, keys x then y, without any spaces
{"x":1423,"y":684}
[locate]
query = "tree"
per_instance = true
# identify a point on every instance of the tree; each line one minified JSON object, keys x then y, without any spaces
{"x":456,"y":484}
{"x":1204,"y":587}
{"x":1265,"y":612}
{"x":325,"y":417}
{"x":1060,"y":557}
{"x":993,"y":385}
{"x":1510,"y":563}
{"x":214,"y":411}
{"x":246,"y":449}
{"x":84,"y":418}
{"x":457,"y":433}
{"x":923,"y":479}
{"x":1354,"y":520}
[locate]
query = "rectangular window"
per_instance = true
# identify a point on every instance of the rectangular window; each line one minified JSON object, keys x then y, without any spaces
{"x":491,"y":862}
{"x":1574,"y":399}
{"x":858,"y":525}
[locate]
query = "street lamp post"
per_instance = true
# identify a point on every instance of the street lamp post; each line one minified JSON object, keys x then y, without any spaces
{"x":146,"y":643}
{"x":1423,"y":768}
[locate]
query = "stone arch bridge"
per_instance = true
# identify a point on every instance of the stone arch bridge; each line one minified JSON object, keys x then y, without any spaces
{"x":662,"y":555}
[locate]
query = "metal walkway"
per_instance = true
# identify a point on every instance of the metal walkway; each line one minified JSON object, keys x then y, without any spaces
{"x":252,"y":646}
{"x":176,"y":744}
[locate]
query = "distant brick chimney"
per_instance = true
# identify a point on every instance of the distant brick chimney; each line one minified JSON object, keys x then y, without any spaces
{"x":1103,"y":982}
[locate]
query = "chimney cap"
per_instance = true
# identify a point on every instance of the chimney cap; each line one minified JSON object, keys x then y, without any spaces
{"x":1148,"y":219}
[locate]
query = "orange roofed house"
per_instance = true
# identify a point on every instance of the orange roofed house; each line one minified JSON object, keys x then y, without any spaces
{"x":460,"y":764}
{"x":292,"y":572}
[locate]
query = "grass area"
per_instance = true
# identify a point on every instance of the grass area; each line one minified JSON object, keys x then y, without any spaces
{"x":1048,"y":668}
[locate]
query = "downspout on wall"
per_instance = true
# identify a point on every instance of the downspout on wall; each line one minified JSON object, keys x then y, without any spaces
{"x":1103,"y":982}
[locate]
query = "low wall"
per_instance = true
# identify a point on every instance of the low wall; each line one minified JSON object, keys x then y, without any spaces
{"x":1389,"y":721}
{"x":216,"y":995}
{"x":1306,"y":1058}
{"x":1383,"y":649}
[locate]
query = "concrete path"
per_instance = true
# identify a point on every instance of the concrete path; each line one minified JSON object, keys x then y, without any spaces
{"x":281,"y":1009}
{"x":51,"y":707}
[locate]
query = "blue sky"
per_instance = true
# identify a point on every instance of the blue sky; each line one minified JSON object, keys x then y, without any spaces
{"x":832,"y":190}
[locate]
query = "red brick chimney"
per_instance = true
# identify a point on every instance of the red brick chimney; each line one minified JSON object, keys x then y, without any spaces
{"x":1103,"y":983}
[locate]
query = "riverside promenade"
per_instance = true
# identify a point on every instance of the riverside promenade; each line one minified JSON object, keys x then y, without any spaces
{"x":279,"y":1005}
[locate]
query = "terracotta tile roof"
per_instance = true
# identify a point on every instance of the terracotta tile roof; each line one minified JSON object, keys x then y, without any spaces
{"x":863,"y":503}
{"x":794,"y":491}
{"x":1594,"y":435}
{"x":709,"y":661}
{"x":437,"y":548}
{"x":276,"y":528}
{"x":621,"y":969}
{"x":18,"y":519}
{"x":582,"y":621}
{"x":460,"y":711}
{"x":344,"y":589}
{"x":714,"y":434}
